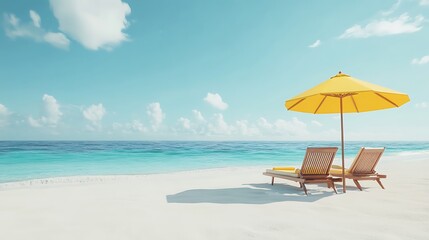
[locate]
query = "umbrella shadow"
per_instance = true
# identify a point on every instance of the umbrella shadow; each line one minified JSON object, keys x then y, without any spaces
{"x":250,"y":194}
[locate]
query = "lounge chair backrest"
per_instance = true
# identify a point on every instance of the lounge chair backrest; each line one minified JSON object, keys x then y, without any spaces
{"x":318,"y":161}
{"x":366,"y":160}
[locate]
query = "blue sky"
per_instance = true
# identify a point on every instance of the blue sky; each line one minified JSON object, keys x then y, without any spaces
{"x":206,"y":70}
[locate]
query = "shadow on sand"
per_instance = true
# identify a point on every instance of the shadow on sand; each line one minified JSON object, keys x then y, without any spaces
{"x":252,"y":194}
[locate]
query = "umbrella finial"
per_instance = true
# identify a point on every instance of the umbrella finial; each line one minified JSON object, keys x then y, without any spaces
{"x":340,"y":74}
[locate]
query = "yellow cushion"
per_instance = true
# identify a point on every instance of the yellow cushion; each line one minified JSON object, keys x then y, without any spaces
{"x":338,"y":171}
{"x":336,"y":167}
{"x":291,"y":173}
{"x":284,"y":168}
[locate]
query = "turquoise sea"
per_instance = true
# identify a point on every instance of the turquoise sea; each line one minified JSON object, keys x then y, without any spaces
{"x":25,"y":160}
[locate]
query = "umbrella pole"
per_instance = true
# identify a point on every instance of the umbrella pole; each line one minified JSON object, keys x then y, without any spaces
{"x":342,"y":144}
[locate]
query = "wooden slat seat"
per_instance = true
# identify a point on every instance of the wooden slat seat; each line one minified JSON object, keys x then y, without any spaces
{"x":315,"y":169}
{"x":363,"y":167}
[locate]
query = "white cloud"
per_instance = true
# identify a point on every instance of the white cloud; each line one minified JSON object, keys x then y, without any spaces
{"x":156,"y":115}
{"x":282,"y":128}
{"x":401,"y":25}
{"x":185,"y":123}
{"x":58,"y":40}
{"x":392,"y":9}
{"x":216,"y":101}
{"x":138,"y":126}
{"x":246,"y":129}
{"x":94,"y":114}
{"x":219,"y":126}
{"x":34,"y":122}
{"x":422,"y":105}
{"x":95,"y":24}
{"x":14,"y":28}
{"x":263,"y":123}
{"x":420,"y":61}
{"x":34,"y":31}
{"x":317,"y":123}
{"x":279,"y":129}
{"x":117,"y":126}
{"x":52,"y":110}
{"x":424,"y":2}
{"x":35,"y":18}
{"x":198,"y":124}
{"x":3,"y":110}
{"x":4,"y":114}
{"x":11,"y":19}
{"x":130,"y":127}
{"x":315,"y":44}
{"x":294,"y":127}
{"x":51,"y":113}
{"x":198,"y":116}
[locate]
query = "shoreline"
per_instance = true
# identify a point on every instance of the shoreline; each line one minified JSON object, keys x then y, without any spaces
{"x":387,"y":158}
{"x":107,"y":178}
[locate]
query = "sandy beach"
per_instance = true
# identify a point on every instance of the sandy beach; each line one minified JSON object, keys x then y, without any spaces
{"x":227,"y":203}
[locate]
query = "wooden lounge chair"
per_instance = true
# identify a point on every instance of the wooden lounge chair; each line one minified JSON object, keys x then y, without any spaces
{"x":315,"y":169}
{"x":362,"y":167}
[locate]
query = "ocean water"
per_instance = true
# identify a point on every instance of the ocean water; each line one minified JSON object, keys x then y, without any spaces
{"x":26,"y":160}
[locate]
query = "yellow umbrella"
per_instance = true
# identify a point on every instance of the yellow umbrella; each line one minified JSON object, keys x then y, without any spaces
{"x":344,"y":94}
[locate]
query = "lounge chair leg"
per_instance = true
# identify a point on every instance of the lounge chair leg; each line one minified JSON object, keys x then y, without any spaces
{"x":357,"y":184}
{"x":300,"y":185}
{"x":305,"y":189}
{"x":379,"y":182}
{"x":333,"y":187}
{"x":272,"y":181}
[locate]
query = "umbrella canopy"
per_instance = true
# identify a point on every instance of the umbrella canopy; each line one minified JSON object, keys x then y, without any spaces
{"x":357,"y":95}
{"x":344,"y":94}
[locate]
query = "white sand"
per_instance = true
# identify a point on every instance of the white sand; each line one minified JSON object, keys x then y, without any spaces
{"x":232,"y":203}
